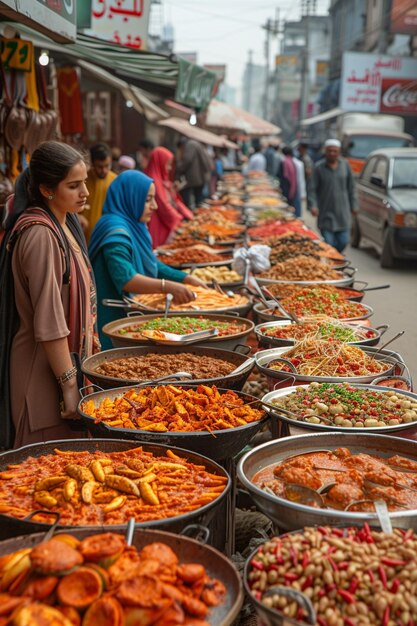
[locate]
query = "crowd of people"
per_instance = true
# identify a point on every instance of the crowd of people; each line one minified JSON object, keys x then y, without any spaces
{"x":76,"y":234}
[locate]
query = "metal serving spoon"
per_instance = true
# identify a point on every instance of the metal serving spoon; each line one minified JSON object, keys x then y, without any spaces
{"x":384,"y":345}
{"x":168,"y":299}
{"x":288,"y":314}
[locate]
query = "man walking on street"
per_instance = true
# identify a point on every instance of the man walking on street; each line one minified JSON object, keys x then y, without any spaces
{"x":332,"y":196}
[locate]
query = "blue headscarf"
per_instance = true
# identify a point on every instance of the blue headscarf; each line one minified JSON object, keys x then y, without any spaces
{"x":122,"y":210}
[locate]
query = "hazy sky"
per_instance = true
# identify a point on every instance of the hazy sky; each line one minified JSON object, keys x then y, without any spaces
{"x":222,"y":31}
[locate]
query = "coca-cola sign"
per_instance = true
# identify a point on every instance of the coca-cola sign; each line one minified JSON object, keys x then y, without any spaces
{"x":399,"y":95}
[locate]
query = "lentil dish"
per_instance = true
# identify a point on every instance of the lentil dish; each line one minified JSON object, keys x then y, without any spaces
{"x":357,"y":479}
{"x":101,"y":581}
{"x":184,"y":326}
{"x":318,"y":357}
{"x":344,"y":405}
{"x":155,"y":365}
{"x":353,"y":577}
{"x":106,"y":488}
{"x":167,"y":408}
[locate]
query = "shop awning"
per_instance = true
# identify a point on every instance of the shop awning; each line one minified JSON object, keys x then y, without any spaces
{"x":226,"y":117}
{"x":321,"y":117}
{"x":195,"y":132}
{"x":163,"y":74}
{"x":141,"y":102}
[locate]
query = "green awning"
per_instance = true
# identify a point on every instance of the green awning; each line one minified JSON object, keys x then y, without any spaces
{"x":154,"y":72}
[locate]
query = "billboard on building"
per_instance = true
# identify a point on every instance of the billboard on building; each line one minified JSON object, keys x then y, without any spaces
{"x":57,"y":20}
{"x":287,"y":68}
{"x":125,"y":23}
{"x":374,"y":83}
{"x":404,"y":16}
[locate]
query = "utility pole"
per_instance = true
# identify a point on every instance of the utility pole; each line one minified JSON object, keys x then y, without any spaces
{"x":272,"y":28}
{"x":249,"y":82}
{"x":307,"y":6}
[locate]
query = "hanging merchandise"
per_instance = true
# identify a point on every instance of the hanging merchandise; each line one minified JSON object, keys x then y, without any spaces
{"x":70,"y":105}
{"x":49,"y":117}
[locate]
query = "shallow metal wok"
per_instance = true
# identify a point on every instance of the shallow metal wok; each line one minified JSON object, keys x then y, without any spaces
{"x":393,"y":361}
{"x":228,"y":342}
{"x":289,"y":515}
{"x":260,"y":314}
{"x":298,"y":426}
{"x":229,"y":381}
{"x":219,"y":445}
{"x":12,"y":526}
{"x":345,"y":279}
{"x":267,"y":341}
{"x":188,"y":551}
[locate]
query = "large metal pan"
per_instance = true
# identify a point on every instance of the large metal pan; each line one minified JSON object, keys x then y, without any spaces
{"x":264,"y":357}
{"x":230,"y":381}
{"x":266,"y":341}
{"x":241,"y":309}
{"x":182,"y":266}
{"x":297,"y":427}
{"x":262,"y":316}
{"x":346,"y":279}
{"x":221,"y":445}
{"x":188,"y":551}
{"x":289,"y":515}
{"x":12,"y":527}
{"x":228,"y":342}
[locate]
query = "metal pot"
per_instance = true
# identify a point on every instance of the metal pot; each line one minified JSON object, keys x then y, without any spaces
{"x":12,"y":527}
{"x":265,"y":341}
{"x":346,"y":279}
{"x":187,"y":549}
{"x":264,"y":357}
{"x":260,"y":314}
{"x":222,"y":444}
{"x":230,"y":381}
{"x":289,"y":515}
{"x":229,"y":342}
{"x":298,"y":427}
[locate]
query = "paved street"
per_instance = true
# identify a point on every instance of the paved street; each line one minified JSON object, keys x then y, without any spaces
{"x":396,"y":306}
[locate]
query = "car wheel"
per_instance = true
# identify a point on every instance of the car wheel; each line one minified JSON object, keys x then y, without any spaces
{"x":355,"y":233}
{"x":387,"y":257}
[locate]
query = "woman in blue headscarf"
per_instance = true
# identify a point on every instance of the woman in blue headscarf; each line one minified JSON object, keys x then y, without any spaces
{"x":121,"y":249}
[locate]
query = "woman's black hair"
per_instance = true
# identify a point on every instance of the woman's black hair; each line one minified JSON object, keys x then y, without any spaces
{"x":49,"y":165}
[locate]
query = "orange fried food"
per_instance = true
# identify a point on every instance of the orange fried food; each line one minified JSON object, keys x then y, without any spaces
{"x":345,"y":493}
{"x":102,"y":546}
{"x":145,"y":591}
{"x":54,"y":556}
{"x":104,"y":612}
{"x":40,"y":587}
{"x":160,"y":552}
{"x":80,"y":588}
{"x":168,"y":408}
{"x":39,"y":615}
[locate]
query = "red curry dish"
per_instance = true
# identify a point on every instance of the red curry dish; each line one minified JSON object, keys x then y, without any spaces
{"x":106,"y":488}
{"x":357,"y":479}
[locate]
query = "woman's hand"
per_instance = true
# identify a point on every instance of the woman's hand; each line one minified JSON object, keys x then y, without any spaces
{"x":193,"y":280}
{"x":71,"y":397}
{"x":181,"y":293}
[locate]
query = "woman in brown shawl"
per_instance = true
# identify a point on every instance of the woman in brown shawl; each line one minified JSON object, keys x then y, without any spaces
{"x":54,"y":296}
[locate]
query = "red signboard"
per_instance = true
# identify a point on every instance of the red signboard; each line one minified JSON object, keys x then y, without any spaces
{"x":399,"y":95}
{"x":404,"y":16}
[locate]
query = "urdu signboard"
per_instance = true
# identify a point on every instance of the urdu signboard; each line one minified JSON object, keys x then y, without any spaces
{"x":375,"y":83}
{"x":125,"y":22}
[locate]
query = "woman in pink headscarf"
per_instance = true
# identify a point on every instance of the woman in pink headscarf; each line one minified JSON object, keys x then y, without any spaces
{"x":171,"y":210}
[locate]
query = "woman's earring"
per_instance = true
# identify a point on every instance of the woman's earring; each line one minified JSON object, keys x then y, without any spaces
{"x":50,"y":197}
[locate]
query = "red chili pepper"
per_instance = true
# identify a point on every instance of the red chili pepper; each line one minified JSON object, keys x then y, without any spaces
{"x":324,"y":531}
{"x":408,"y":534}
{"x":348,"y":622}
{"x":354,"y":584}
{"x":331,"y":549}
{"x":258,"y":595}
{"x":321,"y":621}
{"x":307,"y":583}
{"x":371,"y":575}
{"x":386,"y":616}
{"x":395,"y":585}
{"x":332,"y":563}
{"x":343,"y":565}
{"x":272,"y":566}
{"x":306,"y":560}
{"x":291,"y":577}
{"x":347,"y":597}
{"x":294,"y":556}
{"x":322,"y":593}
{"x":257,"y":565}
{"x":393,"y":562}
{"x":338,"y":532}
{"x":383,"y":575}
{"x":330,"y":587}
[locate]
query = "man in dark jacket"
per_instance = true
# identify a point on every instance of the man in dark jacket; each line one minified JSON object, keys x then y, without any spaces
{"x":194,"y":164}
{"x":332,"y":196}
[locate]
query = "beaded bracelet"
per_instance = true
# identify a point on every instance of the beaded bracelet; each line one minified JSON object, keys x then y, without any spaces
{"x":66,"y":376}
